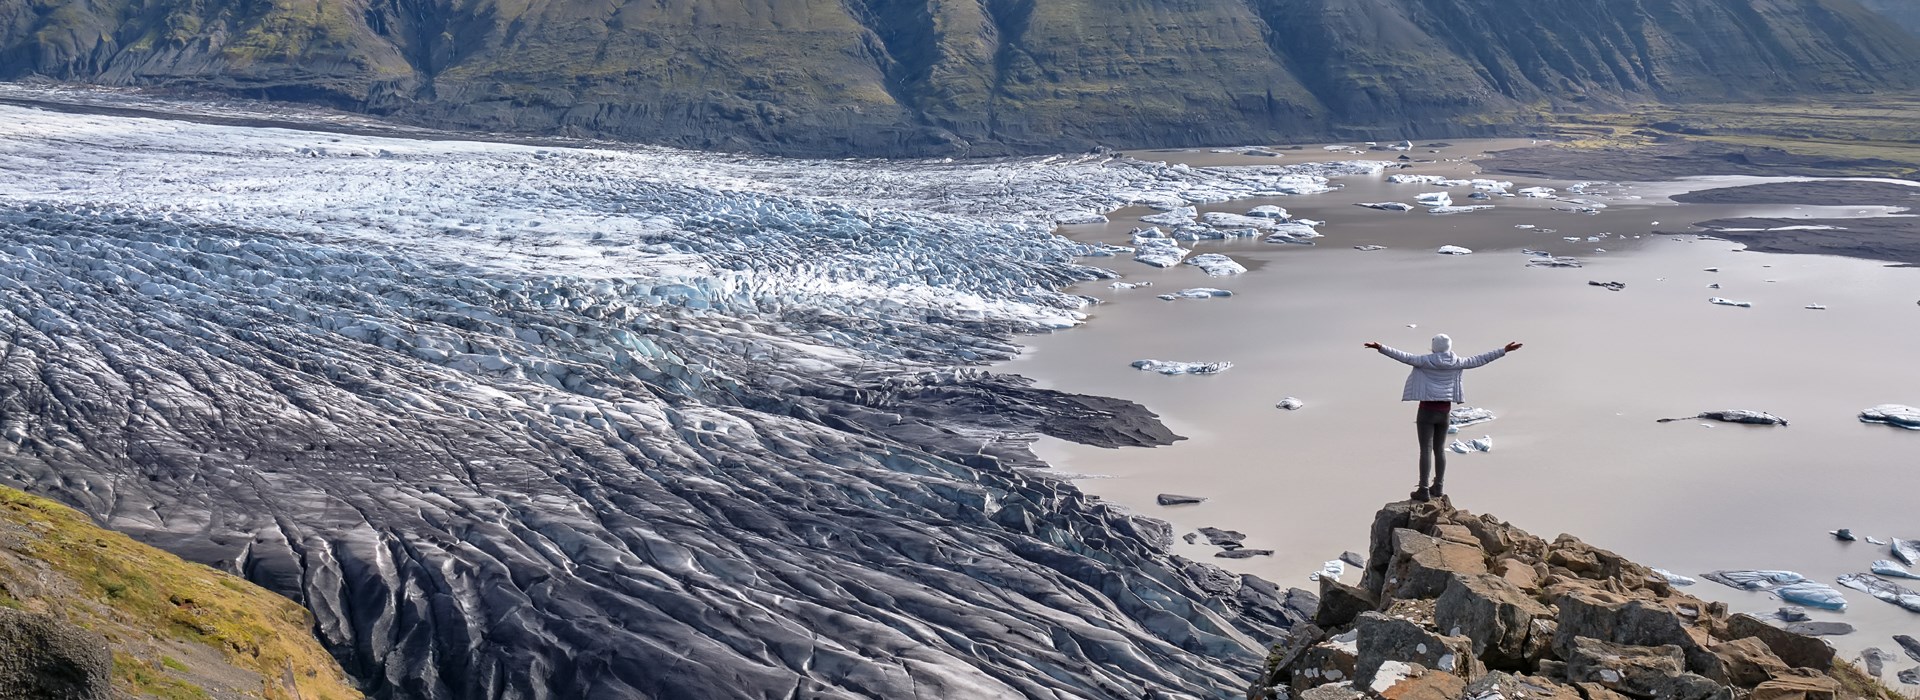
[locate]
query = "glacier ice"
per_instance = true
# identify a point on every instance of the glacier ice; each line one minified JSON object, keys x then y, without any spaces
{"x":1176,"y":217}
{"x":1443,"y":210}
{"x":1453,"y":250}
{"x":1158,"y":252}
{"x":1892,"y":569}
{"x":1896,"y":415}
{"x":1813,"y":595}
{"x":1290,"y":404}
{"x":1434,"y":199}
{"x":1883,"y":590}
{"x":510,"y":419}
{"x":1755,"y":580}
{"x":1171,"y":368}
{"x":1197,"y":293}
{"x":1385,"y":206}
{"x":1216,"y":265}
{"x":1268,"y":211}
{"x":1675,"y":579}
{"x":1729,"y":302}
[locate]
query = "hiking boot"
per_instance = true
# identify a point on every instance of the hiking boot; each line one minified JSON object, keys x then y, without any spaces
{"x":1436,"y":491}
{"x":1421,"y":495}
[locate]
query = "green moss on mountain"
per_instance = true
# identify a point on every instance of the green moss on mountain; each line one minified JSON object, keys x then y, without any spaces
{"x":178,"y":631}
{"x":830,"y":77}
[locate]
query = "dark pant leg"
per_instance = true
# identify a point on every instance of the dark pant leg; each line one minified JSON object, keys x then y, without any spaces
{"x":1439,"y":440}
{"x":1427,"y":450}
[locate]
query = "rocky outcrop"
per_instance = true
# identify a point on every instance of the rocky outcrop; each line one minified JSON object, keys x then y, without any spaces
{"x":918,"y":77}
{"x":44,"y":657}
{"x":1455,"y":606}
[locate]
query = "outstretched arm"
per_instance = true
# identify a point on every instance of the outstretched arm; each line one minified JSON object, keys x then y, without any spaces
{"x":1489,"y":356}
{"x":1402,"y":356}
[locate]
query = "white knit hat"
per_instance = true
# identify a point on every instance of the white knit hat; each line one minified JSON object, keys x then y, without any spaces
{"x":1442,"y":343}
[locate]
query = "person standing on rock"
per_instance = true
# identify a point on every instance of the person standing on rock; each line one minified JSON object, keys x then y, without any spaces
{"x":1435,"y":383}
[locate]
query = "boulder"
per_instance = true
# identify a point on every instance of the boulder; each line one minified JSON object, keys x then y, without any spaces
{"x":48,"y":658}
{"x":1424,"y":685}
{"x":1797,"y":650}
{"x":1332,"y":691}
{"x":1506,"y":685}
{"x":1519,"y":573}
{"x":1341,"y":603}
{"x":1393,"y":644}
{"x":1494,"y":613}
{"x":1639,"y":671}
{"x":1331,"y":661}
{"x":1748,"y":662}
{"x":1174,"y":499}
{"x":1603,"y":616}
{"x":1423,"y":565}
{"x":1807,"y":687}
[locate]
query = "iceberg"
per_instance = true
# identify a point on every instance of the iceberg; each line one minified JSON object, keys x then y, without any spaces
{"x":1892,"y":569}
{"x":1369,"y":247}
{"x":1443,"y":210}
{"x":1755,"y":580}
{"x":1458,"y":447}
{"x":1675,"y":579}
{"x":1129,"y":285}
{"x":1883,"y":589}
{"x":1159,"y":252}
{"x":1197,"y":293}
{"x":1290,"y":404}
{"x":1609,"y":286}
{"x":1221,"y":219}
{"x":1434,"y":199}
{"x":1176,"y":368}
{"x":1813,"y":595}
{"x":1536,"y":192}
{"x":1550,"y":260}
{"x":1907,"y":551}
{"x":1292,"y":232}
{"x":1896,"y":415}
{"x":1483,"y":444}
{"x":1453,"y":250}
{"x":1216,"y":265}
{"x":1730,"y":302}
{"x":1385,"y":206}
{"x":1268,"y":211}
{"x":1733,"y":416}
{"x":1463,"y":416}
{"x":1176,"y":217}
{"x":1415,"y":179}
{"x":1070,"y":218}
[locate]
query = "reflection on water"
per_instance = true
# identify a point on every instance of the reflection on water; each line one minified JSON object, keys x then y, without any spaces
{"x":1577,"y":448}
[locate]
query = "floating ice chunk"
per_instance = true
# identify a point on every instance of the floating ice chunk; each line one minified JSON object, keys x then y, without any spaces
{"x":1268,"y":211}
{"x":1483,"y":444}
{"x":1675,"y":579}
{"x":1369,"y":247}
{"x":1195,"y":232}
{"x":1197,"y":293}
{"x":1876,"y":541}
{"x":1385,"y":206}
{"x":1415,"y":179}
{"x":1142,"y":235}
{"x":1068,"y":218}
{"x":1755,"y":580}
{"x":1458,"y":446}
{"x":1443,"y":210}
{"x":1734,"y":416}
{"x":1462,"y":416}
{"x":1221,"y":219}
{"x":1813,"y":595}
{"x":1883,"y":589}
{"x":1159,"y":252}
{"x":1336,"y":147}
{"x":1609,"y":286}
{"x":1434,"y":199}
{"x":1890,"y":568}
{"x":1289,"y":404}
{"x":1453,"y":250}
{"x":1730,"y":302}
{"x":1454,"y":182}
{"x":1176,"y":217}
{"x":1907,"y":551}
{"x":1550,"y":260}
{"x":1334,"y":568}
{"x":1896,"y":415}
{"x":1485,"y":184}
{"x":1175,"y":368}
{"x":1817,"y":307}
{"x":1216,"y":265}
{"x":1536,"y":192}
{"x":1129,"y":285}
{"x":1525,"y":227}
{"x":1294,"y":232}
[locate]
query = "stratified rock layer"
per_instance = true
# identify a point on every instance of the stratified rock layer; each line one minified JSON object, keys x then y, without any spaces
{"x":917,"y":77}
{"x":1455,"y":606}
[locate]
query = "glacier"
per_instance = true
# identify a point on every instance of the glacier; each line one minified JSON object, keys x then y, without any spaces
{"x":567,"y":419}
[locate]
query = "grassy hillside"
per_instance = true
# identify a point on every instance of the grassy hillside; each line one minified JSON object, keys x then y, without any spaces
{"x":179,"y":631}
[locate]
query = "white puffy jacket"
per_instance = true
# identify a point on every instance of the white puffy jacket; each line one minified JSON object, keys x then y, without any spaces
{"x":1436,"y":376}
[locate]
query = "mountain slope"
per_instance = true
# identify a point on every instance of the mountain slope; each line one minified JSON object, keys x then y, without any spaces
{"x":176,"y":630}
{"x":891,"y":77}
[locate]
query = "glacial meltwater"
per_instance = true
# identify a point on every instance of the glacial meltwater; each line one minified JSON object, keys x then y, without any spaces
{"x":1576,"y":446}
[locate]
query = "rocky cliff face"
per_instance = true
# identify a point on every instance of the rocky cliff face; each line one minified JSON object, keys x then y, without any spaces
{"x":1457,"y":606}
{"x":1905,"y":13}
{"x":979,"y":77}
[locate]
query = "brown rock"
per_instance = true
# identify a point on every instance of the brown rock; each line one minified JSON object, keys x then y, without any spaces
{"x":1332,"y":691}
{"x":1426,"y":686}
{"x":1422,"y":564}
{"x":1639,"y":671}
{"x":1331,"y":661}
{"x":1341,"y":603}
{"x":1383,"y":640}
{"x":1607,"y":617}
{"x":1495,"y":614}
{"x":1797,"y":650}
{"x":1456,"y":533}
{"x":1749,"y":662}
{"x":1807,"y":687}
{"x":1513,"y":687}
{"x":1519,"y":573}
{"x":1595,"y":691}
